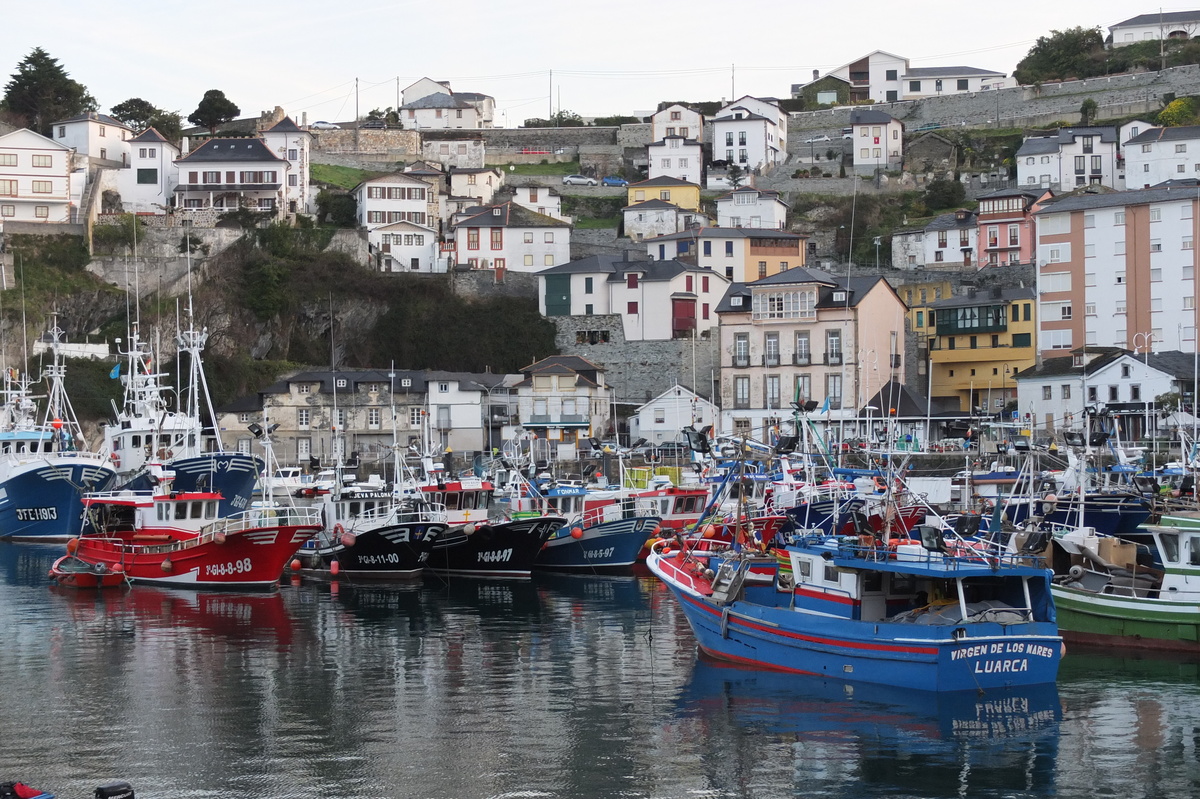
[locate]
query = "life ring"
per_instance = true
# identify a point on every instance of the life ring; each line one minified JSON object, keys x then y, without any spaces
{"x":165,"y":454}
{"x":338,"y":530}
{"x":880,"y":485}
{"x":116,"y":459}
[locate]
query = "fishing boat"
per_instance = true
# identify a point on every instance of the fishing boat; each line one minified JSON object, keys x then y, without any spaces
{"x":148,"y":434}
{"x":1138,"y":591}
{"x":178,"y":538}
{"x":927,"y":613}
{"x":70,"y":571}
{"x":504,"y":549}
{"x":375,"y":536}
{"x":610,"y":535}
{"x":45,"y":465}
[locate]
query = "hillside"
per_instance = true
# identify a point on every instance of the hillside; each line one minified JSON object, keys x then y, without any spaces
{"x":270,"y":304}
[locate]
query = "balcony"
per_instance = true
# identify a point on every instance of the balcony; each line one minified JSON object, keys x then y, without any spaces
{"x":833,"y":359}
{"x":801,"y":359}
{"x":896,"y":361}
{"x":741,"y":361}
{"x":771,"y":360}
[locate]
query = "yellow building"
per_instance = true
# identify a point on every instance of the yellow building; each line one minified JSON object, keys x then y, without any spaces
{"x":672,"y":190}
{"x":743,"y":255}
{"x":977,"y":342}
{"x":918,"y":297}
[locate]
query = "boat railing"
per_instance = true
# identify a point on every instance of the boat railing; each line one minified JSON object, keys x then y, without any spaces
{"x":956,"y":554}
{"x":613,"y":512}
{"x":403,"y":512}
{"x":287,"y":516}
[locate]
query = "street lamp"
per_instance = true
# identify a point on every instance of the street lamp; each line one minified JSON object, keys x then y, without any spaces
{"x":1148,"y":344}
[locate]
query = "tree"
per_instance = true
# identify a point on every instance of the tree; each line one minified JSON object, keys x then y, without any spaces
{"x":561,"y":119}
{"x":1062,"y":54}
{"x":134,"y":112}
{"x":941,"y":194}
{"x":1178,"y":112}
{"x":41,"y":92}
{"x":736,"y":175}
{"x":1087,"y":111}
{"x":215,"y":109}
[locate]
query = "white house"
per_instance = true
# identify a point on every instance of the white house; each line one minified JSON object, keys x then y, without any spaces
{"x":148,"y":185}
{"x":754,"y":208}
{"x":740,"y":254}
{"x":229,"y":174}
{"x":1122,"y":383}
{"x":292,"y":144}
{"x":1150,"y":27}
{"x":950,"y":240}
{"x":479,"y":183}
{"x":675,"y":157}
{"x":651,"y":218}
{"x":677,"y":120}
{"x":1070,"y":158}
{"x":662,"y":418}
{"x":398,"y":197}
{"x":878,"y":141}
{"x":750,"y":131}
{"x":508,"y":236}
{"x":1162,"y":154}
{"x":921,"y":82}
{"x":564,"y":400}
{"x":405,"y":247}
{"x":542,"y":200}
{"x":656,"y":300}
{"x":454,"y":153}
{"x":438,"y":112}
{"x":875,"y":76}
{"x":97,"y":136}
{"x":484,"y":105}
{"x":35,"y":178}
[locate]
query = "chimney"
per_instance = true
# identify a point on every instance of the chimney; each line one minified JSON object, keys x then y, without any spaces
{"x":816,"y":74}
{"x":183,"y":146}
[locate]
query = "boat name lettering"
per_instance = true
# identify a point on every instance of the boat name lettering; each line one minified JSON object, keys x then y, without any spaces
{"x":36,"y":514}
{"x":1004,"y":647}
{"x":997,"y":666}
{"x":238,"y":502}
{"x":232,"y":567}
{"x":372,"y":560}
{"x":495,"y":556}
{"x":598,"y":553}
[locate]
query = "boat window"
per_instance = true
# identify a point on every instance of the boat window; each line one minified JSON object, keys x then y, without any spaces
{"x":210,"y":510}
{"x":452,"y":499}
{"x":805,"y":569}
{"x":368,"y":507}
{"x":117,"y":445}
{"x":135,"y":441}
{"x":831,"y":573}
{"x":180,"y":510}
{"x":903,"y":584}
{"x":21,"y":447}
{"x":339,"y":511}
{"x":355,"y":509}
{"x":197,"y":509}
{"x":7,"y":447}
{"x":191,"y":439}
{"x":1194,"y":547}
{"x":1170,"y":546}
{"x":164,"y":514}
{"x":873,"y":581}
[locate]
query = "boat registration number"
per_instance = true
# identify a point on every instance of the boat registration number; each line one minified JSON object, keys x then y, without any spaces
{"x":37,"y":514}
{"x":495,"y":556}
{"x":596,"y":554}
{"x":232,"y":567}
{"x":376,"y":560}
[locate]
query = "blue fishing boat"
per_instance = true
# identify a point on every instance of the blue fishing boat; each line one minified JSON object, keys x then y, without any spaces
{"x":45,"y":464}
{"x":608,"y":537}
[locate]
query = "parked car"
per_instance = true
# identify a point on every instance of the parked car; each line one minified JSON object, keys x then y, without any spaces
{"x":673,"y":449}
{"x":847,"y":133}
{"x":323,"y":125}
{"x":373,"y":124}
{"x":578,"y":180}
{"x":613,"y":180}
{"x":816,"y":139}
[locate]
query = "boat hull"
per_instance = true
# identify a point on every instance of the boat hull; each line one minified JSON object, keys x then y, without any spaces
{"x":233,"y":475}
{"x":252,"y":558}
{"x":969,"y":657}
{"x":391,"y":552}
{"x":1131,"y":622}
{"x":613,"y":544}
{"x":71,"y":572}
{"x":501,"y":550}
{"x":43,"y":500}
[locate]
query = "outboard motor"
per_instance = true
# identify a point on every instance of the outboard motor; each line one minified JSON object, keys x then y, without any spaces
{"x":114,"y":790}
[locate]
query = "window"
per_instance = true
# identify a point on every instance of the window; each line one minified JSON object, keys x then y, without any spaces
{"x":1181,"y":148}
{"x":963,"y":84}
{"x":914,"y":85}
{"x":1155,"y":214}
{"x":1066,"y":390}
{"x":1155,"y":274}
{"x":1135,"y":392}
{"x":762,"y":269}
{"x":43,"y":187}
{"x":43,"y":161}
{"x":8,"y":210}
{"x":497,"y":238}
{"x":631,"y":280}
{"x":631,"y":309}
{"x":741,"y":392}
{"x":41,"y":211}
{"x":548,"y":260}
{"x":473,"y":238}
{"x":729,"y":249}
{"x":302,"y":418}
{"x":890,"y":75}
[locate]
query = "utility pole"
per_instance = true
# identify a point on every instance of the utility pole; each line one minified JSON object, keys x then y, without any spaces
{"x":550,"y":97}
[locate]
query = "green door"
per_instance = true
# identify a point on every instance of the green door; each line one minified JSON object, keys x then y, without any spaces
{"x":558,"y":295}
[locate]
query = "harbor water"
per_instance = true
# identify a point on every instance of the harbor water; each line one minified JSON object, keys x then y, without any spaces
{"x":561,"y":686}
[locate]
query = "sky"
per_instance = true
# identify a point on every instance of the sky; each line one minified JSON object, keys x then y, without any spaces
{"x":596,"y":59}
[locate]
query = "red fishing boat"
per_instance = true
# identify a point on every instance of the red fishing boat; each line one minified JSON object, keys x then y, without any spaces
{"x":177,"y":539}
{"x":72,"y":572}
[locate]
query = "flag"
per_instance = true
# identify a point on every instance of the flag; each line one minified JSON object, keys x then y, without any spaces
{"x":116,"y":371}
{"x":825,"y":406}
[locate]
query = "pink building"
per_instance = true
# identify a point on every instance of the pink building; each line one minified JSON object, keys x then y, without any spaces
{"x":1006,"y":227}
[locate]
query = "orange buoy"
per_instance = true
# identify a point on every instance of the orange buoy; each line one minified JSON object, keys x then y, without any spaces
{"x":72,"y":546}
{"x":167,"y":565}
{"x":334,"y":568}
{"x":219,"y":538}
{"x":576,"y":532}
{"x":296,"y":564}
{"x":348,"y":539}
{"x":118,"y":568}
